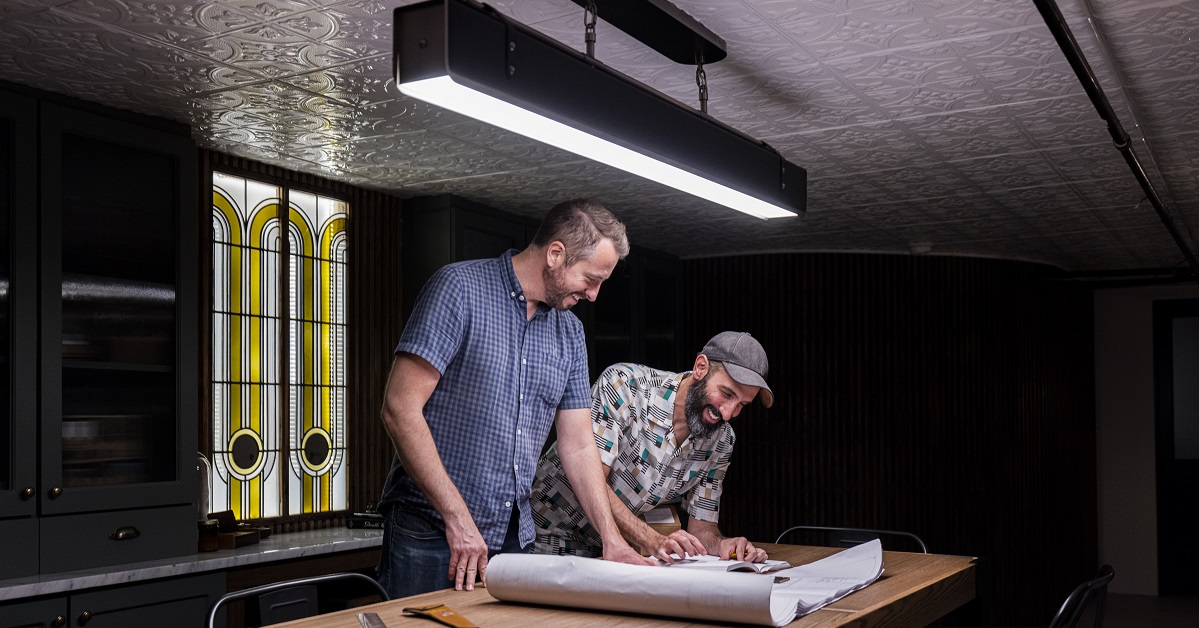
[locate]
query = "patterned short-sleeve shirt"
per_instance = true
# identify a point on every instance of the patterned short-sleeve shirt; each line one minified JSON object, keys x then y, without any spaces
{"x":631,"y":410}
{"x":503,"y":379}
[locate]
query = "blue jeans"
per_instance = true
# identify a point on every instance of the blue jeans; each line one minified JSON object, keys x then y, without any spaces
{"x":415,"y":557}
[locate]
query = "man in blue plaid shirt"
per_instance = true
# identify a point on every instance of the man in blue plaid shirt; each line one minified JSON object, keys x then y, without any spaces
{"x":490,"y":358}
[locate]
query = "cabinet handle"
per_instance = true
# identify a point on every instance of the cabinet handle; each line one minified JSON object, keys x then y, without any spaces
{"x":58,"y":622}
{"x":55,"y":492}
{"x":126,"y":533}
{"x":85,"y":617}
{"x":27,"y":492}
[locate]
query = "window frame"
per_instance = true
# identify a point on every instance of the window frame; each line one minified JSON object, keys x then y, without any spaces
{"x":286,"y":184}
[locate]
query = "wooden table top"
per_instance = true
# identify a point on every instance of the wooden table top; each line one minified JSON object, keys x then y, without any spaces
{"x":914,"y":590}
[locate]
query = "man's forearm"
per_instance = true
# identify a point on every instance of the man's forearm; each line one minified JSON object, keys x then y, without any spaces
{"x":708,"y":534}
{"x":418,"y":453}
{"x":636,"y":531}
{"x":582,"y":467}
{"x":411,"y":381}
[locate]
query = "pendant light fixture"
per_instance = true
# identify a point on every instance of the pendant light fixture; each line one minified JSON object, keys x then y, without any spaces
{"x":467,"y":57}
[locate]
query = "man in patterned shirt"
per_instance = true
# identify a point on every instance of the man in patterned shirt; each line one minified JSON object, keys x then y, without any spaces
{"x":660,"y":435}
{"x":488,"y":359}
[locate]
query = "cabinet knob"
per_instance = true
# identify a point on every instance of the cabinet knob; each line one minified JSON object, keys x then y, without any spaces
{"x":55,"y":492}
{"x":59,"y":621}
{"x":27,"y":492}
{"x":85,"y":617}
{"x":125,"y":533}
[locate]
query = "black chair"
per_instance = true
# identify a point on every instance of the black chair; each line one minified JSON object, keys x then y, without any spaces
{"x":1089,"y":596}
{"x":292,"y":599}
{"x":848,"y":537}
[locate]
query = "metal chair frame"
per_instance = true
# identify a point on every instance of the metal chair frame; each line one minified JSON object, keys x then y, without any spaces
{"x":875,"y":533}
{"x":280,"y":586}
{"x":1082,"y":597}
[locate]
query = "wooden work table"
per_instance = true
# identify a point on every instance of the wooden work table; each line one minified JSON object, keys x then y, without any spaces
{"x":914,"y":590}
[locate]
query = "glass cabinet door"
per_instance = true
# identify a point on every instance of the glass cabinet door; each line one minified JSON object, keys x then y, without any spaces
{"x":18,"y":307}
{"x":112,"y":398}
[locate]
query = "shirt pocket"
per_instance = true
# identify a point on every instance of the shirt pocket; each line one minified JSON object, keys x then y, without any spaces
{"x":549,"y":381}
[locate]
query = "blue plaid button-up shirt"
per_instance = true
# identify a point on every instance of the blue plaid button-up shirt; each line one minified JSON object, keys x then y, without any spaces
{"x":503,"y":377}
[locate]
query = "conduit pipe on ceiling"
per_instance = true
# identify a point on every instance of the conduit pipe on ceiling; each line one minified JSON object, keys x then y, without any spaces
{"x":1065,"y":39}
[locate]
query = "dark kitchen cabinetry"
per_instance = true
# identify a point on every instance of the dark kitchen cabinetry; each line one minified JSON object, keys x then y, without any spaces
{"x":636,"y":317}
{"x":442,"y":229}
{"x":101,"y":338}
{"x":18,"y":346}
{"x":182,"y":602}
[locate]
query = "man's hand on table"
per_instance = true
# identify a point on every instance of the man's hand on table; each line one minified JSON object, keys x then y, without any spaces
{"x":677,"y":544}
{"x":623,"y":553}
{"x":738,"y":548}
{"x":468,"y":554}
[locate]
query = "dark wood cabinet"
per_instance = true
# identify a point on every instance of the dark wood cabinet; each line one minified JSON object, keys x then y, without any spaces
{"x":46,"y":613}
{"x":442,"y":229}
{"x":99,"y":323}
{"x":18,"y":346}
{"x":637,"y":315}
{"x":182,"y":602}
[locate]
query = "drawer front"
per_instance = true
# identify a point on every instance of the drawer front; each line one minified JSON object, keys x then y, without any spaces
{"x":176,"y":602}
{"x":39,"y":614}
{"x":19,"y":538}
{"x":178,"y":613}
{"x":70,"y":542}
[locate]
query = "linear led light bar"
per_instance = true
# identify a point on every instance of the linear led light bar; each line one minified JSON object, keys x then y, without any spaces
{"x":466,"y":57}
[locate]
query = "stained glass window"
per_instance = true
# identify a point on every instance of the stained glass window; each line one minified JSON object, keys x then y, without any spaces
{"x":278,"y":365}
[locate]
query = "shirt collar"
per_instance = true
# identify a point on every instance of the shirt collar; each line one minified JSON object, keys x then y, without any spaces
{"x":670,"y":391}
{"x":515,"y":291}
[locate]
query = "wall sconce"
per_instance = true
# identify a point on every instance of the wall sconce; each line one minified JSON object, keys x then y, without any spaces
{"x":467,"y":57}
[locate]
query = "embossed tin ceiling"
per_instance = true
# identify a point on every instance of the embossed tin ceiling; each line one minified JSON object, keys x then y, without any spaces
{"x":955,"y":125}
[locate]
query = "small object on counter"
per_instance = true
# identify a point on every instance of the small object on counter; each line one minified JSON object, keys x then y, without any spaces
{"x":204,"y":469}
{"x":234,"y":540}
{"x":209,"y":535}
{"x":367,"y":520}
{"x":263,"y":531}
{"x":225,"y":518}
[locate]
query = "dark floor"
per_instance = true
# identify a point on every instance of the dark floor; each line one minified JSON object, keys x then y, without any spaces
{"x":1148,"y":611}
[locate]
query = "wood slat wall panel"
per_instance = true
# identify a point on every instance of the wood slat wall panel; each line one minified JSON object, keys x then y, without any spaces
{"x":950,"y":397}
{"x":376,"y":309}
{"x":373,"y":310}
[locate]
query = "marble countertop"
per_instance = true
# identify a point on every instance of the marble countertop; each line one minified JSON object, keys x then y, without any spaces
{"x":274,"y":547}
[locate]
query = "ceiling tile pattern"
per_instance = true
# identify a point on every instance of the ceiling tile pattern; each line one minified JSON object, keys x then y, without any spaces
{"x":953,"y":126}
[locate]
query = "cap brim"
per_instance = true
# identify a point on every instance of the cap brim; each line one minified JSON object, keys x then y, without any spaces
{"x":746,"y":377}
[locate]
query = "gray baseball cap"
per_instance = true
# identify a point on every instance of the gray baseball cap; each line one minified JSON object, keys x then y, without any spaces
{"x":743,"y":358}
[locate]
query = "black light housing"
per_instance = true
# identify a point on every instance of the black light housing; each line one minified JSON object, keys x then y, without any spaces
{"x":467,"y":57}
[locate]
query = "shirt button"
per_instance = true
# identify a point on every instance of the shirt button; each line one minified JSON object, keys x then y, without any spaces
{"x":522,"y":396}
{"x":507,"y":504}
{"x":524,"y":361}
{"x":518,"y":431}
{"x":512,"y":293}
{"x":516,"y":467}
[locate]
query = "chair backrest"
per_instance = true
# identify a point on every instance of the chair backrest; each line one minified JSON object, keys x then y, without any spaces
{"x":832,"y":536}
{"x":292,"y":599}
{"x":1088,"y":596}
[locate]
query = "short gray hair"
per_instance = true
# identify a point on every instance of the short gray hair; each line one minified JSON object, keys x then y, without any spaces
{"x":581,"y":224}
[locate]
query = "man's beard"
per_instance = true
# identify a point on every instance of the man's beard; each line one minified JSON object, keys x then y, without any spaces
{"x":555,"y":288}
{"x":694,"y":409}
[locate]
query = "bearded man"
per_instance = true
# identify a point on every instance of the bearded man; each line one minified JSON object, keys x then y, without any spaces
{"x":490,"y":358}
{"x":661,"y":436}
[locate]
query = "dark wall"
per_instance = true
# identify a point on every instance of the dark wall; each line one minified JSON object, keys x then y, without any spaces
{"x":950,"y":397}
